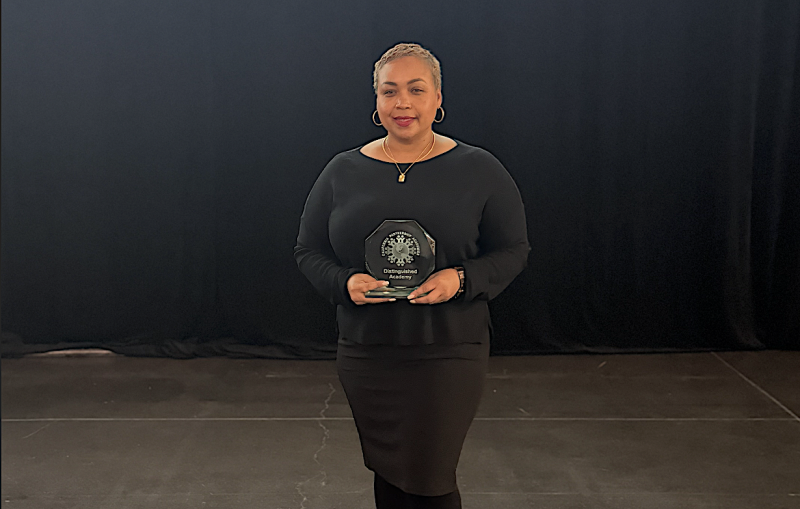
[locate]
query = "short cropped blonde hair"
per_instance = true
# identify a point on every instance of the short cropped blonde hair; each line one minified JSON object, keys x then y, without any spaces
{"x":409,"y":50}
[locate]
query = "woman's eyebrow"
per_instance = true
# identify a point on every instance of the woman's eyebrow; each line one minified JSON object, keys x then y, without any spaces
{"x":392,"y":83}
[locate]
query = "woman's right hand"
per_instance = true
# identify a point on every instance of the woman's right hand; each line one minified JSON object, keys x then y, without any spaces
{"x":359,"y":284}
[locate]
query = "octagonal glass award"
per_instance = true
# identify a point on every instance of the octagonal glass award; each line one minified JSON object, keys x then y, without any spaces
{"x":401,"y":252}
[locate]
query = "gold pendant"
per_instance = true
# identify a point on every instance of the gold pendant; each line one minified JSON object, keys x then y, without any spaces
{"x":402,"y":177}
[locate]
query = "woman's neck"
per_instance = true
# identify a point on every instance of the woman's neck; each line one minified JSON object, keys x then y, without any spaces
{"x":407,"y":151}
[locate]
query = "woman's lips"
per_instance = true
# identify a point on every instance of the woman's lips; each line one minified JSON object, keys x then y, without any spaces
{"x":403,"y":121}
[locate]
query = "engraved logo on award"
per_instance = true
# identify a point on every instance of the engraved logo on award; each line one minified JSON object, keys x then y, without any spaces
{"x":401,"y":252}
{"x":400,"y":248}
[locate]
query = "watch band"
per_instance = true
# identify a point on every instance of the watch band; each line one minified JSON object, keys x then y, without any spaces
{"x":460,"y":290}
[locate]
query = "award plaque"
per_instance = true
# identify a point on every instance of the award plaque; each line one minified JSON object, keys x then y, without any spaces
{"x":399,"y":251}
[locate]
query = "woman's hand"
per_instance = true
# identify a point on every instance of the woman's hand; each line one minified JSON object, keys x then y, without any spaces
{"x":440,"y":287}
{"x":359,"y":284}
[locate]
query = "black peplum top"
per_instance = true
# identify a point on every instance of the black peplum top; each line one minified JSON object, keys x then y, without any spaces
{"x":464,"y":198}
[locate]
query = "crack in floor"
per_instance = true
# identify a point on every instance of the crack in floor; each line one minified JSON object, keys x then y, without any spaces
{"x":325,"y":435}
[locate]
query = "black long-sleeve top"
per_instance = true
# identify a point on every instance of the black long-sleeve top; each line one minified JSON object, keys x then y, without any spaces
{"x":464,"y":198}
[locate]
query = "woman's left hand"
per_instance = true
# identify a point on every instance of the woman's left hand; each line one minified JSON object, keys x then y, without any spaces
{"x":440,"y":287}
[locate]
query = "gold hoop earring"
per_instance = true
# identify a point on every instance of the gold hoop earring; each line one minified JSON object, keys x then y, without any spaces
{"x":434,"y":117}
{"x":373,"y":119}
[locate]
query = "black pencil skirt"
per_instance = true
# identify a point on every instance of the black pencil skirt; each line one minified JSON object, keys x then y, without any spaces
{"x":413,"y":406}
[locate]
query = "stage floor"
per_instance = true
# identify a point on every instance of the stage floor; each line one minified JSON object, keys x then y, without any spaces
{"x":660,"y":431}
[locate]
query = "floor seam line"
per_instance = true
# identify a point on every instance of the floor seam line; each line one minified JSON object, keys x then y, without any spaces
{"x":757,"y":387}
{"x":483,"y":419}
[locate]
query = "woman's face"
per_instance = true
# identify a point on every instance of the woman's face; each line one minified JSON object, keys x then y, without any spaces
{"x":407,"y":99}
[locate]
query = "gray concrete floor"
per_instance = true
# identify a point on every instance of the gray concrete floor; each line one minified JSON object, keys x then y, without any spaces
{"x":689,"y":431}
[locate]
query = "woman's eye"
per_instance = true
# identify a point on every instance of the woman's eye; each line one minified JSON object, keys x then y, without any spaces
{"x":387,"y":92}
{"x":417,"y":90}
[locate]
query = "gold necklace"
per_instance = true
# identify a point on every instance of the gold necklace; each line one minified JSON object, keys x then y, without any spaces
{"x":402,"y":177}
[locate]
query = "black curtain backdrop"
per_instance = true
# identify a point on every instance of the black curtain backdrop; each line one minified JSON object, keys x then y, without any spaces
{"x":156,"y":156}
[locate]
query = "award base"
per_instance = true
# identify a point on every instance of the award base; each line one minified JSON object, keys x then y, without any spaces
{"x":389,"y":292}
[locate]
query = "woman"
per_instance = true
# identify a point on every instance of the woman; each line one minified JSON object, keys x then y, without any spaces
{"x":413,"y":369}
